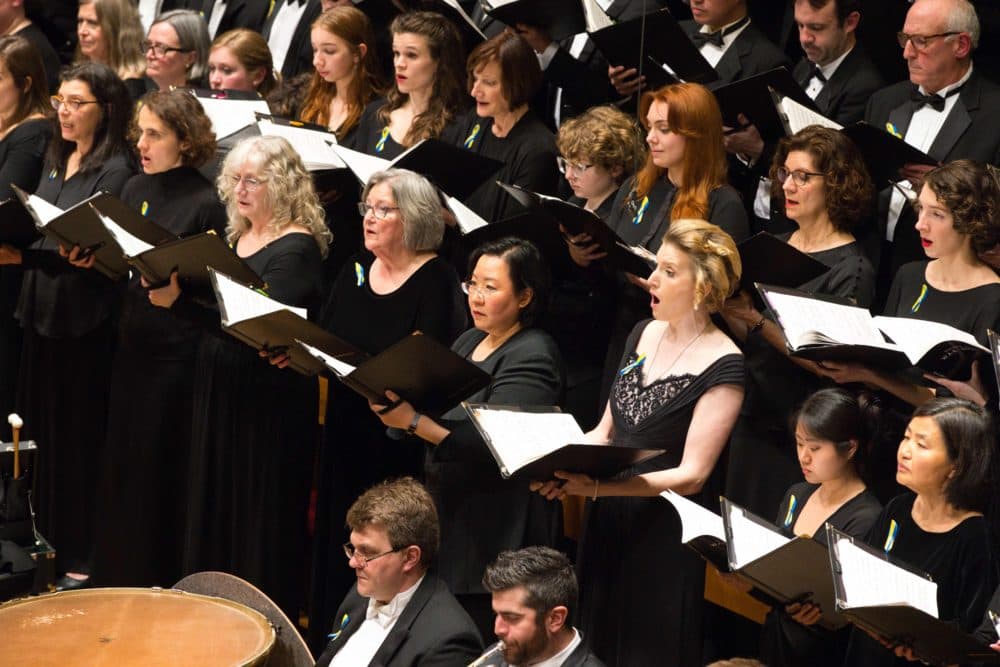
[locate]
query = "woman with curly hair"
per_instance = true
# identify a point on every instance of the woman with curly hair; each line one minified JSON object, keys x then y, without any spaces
{"x":110,"y":32}
{"x":151,"y":382}
{"x":428,"y":93}
{"x":822,"y":181}
{"x":253,"y":427}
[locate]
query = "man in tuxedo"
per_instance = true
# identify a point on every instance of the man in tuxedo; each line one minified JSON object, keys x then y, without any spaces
{"x":947,"y":108}
{"x":399,"y":613}
{"x":534,"y":593}
{"x":287,"y":30}
{"x":224,"y":15}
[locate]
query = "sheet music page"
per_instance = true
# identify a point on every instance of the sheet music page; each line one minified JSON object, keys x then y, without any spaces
{"x":333,"y":363}
{"x":750,"y":539}
{"x":870,"y":581}
{"x":461,"y":12}
{"x":917,"y":337}
{"x":312,"y":146}
{"x":800,"y":317}
{"x":45,"y":211}
{"x":228,"y":115}
{"x":240,"y":303}
{"x":800,"y":116}
{"x":468,"y":219}
{"x":595,"y":17}
{"x":362,"y":164}
{"x":130,"y":244}
{"x":995,"y":353}
{"x":640,"y":252}
{"x":695,"y":519}
{"x":522,"y":437}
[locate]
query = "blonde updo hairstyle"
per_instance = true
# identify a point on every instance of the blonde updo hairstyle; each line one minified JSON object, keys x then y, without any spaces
{"x":290,"y":191}
{"x":713,"y":256}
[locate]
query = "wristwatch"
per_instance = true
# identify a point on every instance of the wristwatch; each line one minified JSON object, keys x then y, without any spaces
{"x":412,"y":428}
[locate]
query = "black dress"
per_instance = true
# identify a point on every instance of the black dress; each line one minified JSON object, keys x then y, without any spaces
{"x":372,"y":135}
{"x":139,"y":537}
{"x":641,"y":590}
{"x":481,"y":513}
{"x":66,"y":317}
{"x":784,"y":642}
{"x":253,"y":439}
{"x":960,"y":561}
{"x":21,"y":154}
{"x":357,"y":451}
{"x":528,"y":154}
{"x":762,"y":462}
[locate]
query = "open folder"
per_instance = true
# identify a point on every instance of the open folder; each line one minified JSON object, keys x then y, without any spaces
{"x":81,"y":225}
{"x":823,"y":331}
{"x":532,"y":442}
{"x":898,"y":604}
{"x":754,"y":98}
{"x":783,"y":569}
{"x":419,"y":369}
{"x":701,"y":529}
{"x":230,"y":111}
{"x":559,"y":18}
{"x":17,"y":227}
{"x":769,"y":260}
{"x":266,"y":324}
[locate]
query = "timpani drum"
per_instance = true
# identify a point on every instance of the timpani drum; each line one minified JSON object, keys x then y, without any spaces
{"x":132,"y":626}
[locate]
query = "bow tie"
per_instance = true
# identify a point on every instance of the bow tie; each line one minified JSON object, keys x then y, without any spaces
{"x":935,"y":102}
{"x":702,"y":38}
{"x":383,"y":614}
{"x":817,"y":73}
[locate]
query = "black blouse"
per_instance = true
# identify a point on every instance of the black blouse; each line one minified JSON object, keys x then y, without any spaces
{"x":371,"y":135}
{"x":21,"y":154}
{"x":855,"y":517}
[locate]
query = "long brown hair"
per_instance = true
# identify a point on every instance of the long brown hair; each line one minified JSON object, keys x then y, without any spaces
{"x":693,"y":113}
{"x":250,"y":48}
{"x":122,"y":30}
{"x":24,"y":64}
{"x":448,"y":96}
{"x":351,"y":25}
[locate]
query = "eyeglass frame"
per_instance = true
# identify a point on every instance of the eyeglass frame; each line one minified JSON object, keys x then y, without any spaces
{"x":801,"y":180}
{"x":352,"y":552}
{"x":73,"y":105}
{"x":903,"y":38}
{"x":251,"y":184}
{"x":364,"y":208}
{"x":484,"y":291}
{"x":565,"y":165}
{"x":160,"y":50}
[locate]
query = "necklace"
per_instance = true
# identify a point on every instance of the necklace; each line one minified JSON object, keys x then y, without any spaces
{"x":679,"y":354}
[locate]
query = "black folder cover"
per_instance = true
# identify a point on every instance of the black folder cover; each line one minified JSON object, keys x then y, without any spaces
{"x":453,"y":169}
{"x":884,"y":153}
{"x":578,"y":220}
{"x":190,"y":257}
{"x":798,"y":571}
{"x":17,"y":227}
{"x":767,"y":259}
{"x":598,"y":461}
{"x":663,"y":41}
{"x":560,"y":18}
{"x":753,"y":98}
{"x":531,"y":225}
{"x":418,"y":368}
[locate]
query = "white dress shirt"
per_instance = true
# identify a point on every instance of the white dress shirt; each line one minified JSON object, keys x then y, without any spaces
{"x":712,"y":53}
{"x":282,"y":31}
{"x":148,"y":10}
{"x":362,"y":646}
{"x":218,"y":10}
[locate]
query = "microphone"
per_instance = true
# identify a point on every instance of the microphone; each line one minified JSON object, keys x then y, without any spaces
{"x":494,"y":651}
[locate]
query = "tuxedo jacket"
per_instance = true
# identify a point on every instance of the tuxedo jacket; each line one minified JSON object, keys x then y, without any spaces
{"x":583,"y":80}
{"x":238,"y":13}
{"x":843,"y":98}
{"x":299,"y":57}
{"x":750,"y":53}
{"x":971,"y":131}
{"x":432,"y":631}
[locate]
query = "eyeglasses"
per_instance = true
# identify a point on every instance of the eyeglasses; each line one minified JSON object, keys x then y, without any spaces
{"x":72,"y":104}
{"x":565,"y":166}
{"x":362,"y":559}
{"x":380,"y":212}
{"x":160,"y":50}
{"x":798,"y":176}
{"x":920,"y":42}
{"x":251,"y":184}
{"x":483,"y":291}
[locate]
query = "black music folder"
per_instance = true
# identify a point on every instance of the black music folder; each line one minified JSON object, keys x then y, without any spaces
{"x":428,"y":374}
{"x":81,"y":225}
{"x":897,"y":603}
{"x":266,"y":324}
{"x":884,"y":153}
{"x":701,"y":529}
{"x":560,"y":18}
{"x":530,"y":226}
{"x":532,"y":442}
{"x":753,"y":97}
{"x":785,"y":570}
{"x":994,"y":354}
{"x":769,"y":260}
{"x":192,"y":257}
{"x":663,"y":42}
{"x":17,"y":227}
{"x":578,"y":220}
{"x":472,"y":36}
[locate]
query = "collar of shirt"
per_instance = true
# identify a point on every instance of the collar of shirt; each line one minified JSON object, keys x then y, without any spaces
{"x":727,"y":39}
{"x":559,"y":658}
{"x":951,"y":86}
{"x":387,"y":613}
{"x":830,"y":68}
{"x":814,"y":84}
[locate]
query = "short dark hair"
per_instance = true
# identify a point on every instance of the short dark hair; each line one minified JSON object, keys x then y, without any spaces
{"x":544,"y":573}
{"x":405,"y":510}
{"x":25,"y":66}
{"x":520,"y":73}
{"x":971,"y":443}
{"x":182,"y":113}
{"x":839,"y":416}
{"x":527,"y":271}
{"x":844,"y":7}
{"x":849,"y":190}
{"x":971,"y":193}
{"x":110,"y":137}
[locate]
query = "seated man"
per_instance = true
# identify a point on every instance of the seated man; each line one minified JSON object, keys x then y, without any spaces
{"x":534,"y":591}
{"x":398,"y":614}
